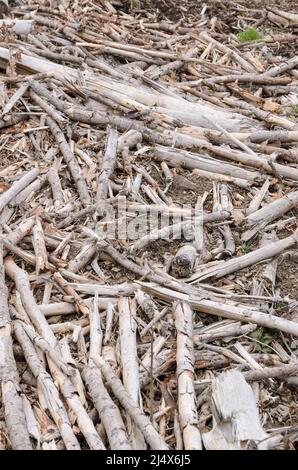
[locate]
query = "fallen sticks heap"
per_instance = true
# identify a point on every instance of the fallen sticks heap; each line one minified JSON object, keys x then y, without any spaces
{"x":148,"y":209}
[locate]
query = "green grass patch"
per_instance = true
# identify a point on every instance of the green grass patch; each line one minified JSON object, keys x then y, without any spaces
{"x":295,"y":109}
{"x":248,"y":35}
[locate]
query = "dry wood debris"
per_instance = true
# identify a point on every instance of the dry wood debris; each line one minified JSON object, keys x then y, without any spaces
{"x":148,"y":225}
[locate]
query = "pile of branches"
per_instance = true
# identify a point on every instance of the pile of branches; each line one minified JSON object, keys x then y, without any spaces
{"x":117,"y":332}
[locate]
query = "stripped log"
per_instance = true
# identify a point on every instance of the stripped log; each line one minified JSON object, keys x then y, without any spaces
{"x":9,"y":378}
{"x":188,"y":416}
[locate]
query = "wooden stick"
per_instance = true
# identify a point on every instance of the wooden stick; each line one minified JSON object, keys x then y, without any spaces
{"x":129,"y":362}
{"x":17,"y":187}
{"x":136,"y":414}
{"x":9,"y":378}
{"x":188,"y":417}
{"x":107,"y":166}
{"x":71,"y":161}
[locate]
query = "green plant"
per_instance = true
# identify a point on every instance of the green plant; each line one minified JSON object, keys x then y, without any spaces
{"x":244,"y":248}
{"x":263,"y":340}
{"x":295,"y":109}
{"x":135,"y":4}
{"x":249,"y":34}
{"x":281,"y":305}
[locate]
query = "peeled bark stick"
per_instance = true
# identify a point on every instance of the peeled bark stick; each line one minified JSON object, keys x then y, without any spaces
{"x":57,"y":191}
{"x":75,"y":378}
{"x":191,"y":161}
{"x":242,"y":183}
{"x":277,"y":372}
{"x":47,"y":389}
{"x":154,"y":184}
{"x":15,"y":97}
{"x":188,"y":416}
{"x":18,"y":234}
{"x":292,"y":17}
{"x":279,"y":69}
{"x":226,"y":50}
{"x":259,"y":219}
{"x":107,"y":166}
{"x":48,"y":349}
{"x":82,"y":258}
{"x":71,"y":162}
{"x":76,"y":216}
{"x":247,"y":78}
{"x":70,"y":291}
{"x":240,"y":262}
{"x":137,"y":415}
{"x":50,"y":110}
{"x":270,"y":270}
{"x":274,"y":210}
{"x":271,"y":136}
{"x":257,"y":200}
{"x":210,"y":307}
{"x":26,"y":256}
{"x":9,"y":379}
{"x":17,"y":187}
{"x":150,"y":359}
{"x":146,"y":303}
{"x":39,"y":247}
{"x":232,"y":329}
{"x":108,"y":411}
{"x":73,"y":401}
{"x":183,"y":262}
{"x":158,"y":316}
{"x":21,"y":279}
{"x":18,"y":26}
{"x":109,"y":323}
{"x":78,"y":113}
{"x":57,"y":308}
{"x":32,"y":424}
{"x":29,"y":191}
{"x":129,"y":362}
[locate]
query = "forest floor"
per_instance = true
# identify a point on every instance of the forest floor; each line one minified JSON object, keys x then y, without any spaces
{"x":148,"y":224}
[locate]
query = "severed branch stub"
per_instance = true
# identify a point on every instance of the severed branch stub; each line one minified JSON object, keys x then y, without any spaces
{"x":183,"y":262}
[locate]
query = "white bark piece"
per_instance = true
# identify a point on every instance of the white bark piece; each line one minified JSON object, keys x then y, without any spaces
{"x":235,"y":414}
